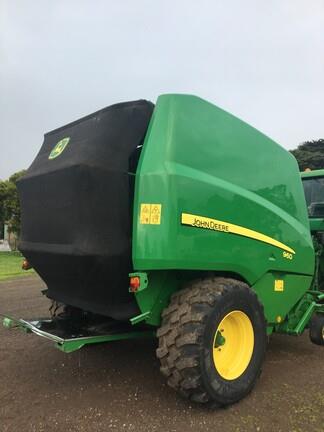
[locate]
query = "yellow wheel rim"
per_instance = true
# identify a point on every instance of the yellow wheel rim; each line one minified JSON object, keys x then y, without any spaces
{"x":233,"y":345}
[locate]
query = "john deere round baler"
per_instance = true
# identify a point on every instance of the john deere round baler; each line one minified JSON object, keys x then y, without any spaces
{"x":179,"y":218}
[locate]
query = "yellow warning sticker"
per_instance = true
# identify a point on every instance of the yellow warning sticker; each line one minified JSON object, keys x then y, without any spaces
{"x":279,"y":285}
{"x":155,"y":214}
{"x":150,"y":214}
{"x":145,"y":213}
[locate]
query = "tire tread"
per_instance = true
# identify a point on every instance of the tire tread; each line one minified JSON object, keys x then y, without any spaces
{"x":181,"y":333}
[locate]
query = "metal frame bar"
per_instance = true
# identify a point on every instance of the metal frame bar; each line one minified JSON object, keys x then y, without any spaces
{"x":71,"y":344}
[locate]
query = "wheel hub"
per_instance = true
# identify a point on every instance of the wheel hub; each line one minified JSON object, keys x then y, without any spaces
{"x":233,"y":345}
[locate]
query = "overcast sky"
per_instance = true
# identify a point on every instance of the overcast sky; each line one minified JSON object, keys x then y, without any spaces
{"x":262,"y":60}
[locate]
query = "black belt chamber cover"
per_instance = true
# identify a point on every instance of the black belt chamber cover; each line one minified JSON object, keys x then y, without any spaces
{"x":77,"y":209}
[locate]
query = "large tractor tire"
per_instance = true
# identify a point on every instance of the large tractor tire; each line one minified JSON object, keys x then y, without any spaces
{"x":212,"y":341}
{"x":316,"y":329}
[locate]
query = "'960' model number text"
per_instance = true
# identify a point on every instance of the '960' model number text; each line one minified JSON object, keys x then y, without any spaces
{"x":287,"y":255}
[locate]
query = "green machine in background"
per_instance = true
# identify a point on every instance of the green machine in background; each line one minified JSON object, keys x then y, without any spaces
{"x":225,"y":250}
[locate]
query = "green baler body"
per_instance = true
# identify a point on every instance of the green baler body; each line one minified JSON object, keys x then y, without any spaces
{"x":214,"y":196}
{"x":228,"y":200}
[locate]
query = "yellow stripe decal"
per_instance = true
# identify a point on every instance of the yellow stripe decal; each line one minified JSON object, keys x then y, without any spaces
{"x":226,"y":227}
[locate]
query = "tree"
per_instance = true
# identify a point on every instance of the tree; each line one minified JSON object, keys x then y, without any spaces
{"x":310,"y":154}
{"x":3,"y":195}
{"x":9,"y":203}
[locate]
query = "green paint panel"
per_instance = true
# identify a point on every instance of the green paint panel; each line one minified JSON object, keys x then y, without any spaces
{"x":280,"y":302}
{"x":200,"y":160}
{"x":155,"y":296}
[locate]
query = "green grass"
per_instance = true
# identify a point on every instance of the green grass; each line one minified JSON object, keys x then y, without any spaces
{"x":10,"y":266}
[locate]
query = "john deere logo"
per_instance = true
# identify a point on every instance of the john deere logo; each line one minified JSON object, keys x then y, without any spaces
{"x":59,"y":147}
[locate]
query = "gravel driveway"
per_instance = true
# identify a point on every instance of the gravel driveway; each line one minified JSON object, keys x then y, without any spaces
{"x":118,"y":386}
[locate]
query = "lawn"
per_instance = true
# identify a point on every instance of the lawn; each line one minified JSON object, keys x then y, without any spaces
{"x":10,"y":265}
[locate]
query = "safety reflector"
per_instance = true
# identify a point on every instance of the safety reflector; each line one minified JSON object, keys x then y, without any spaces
{"x":135,"y":283}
